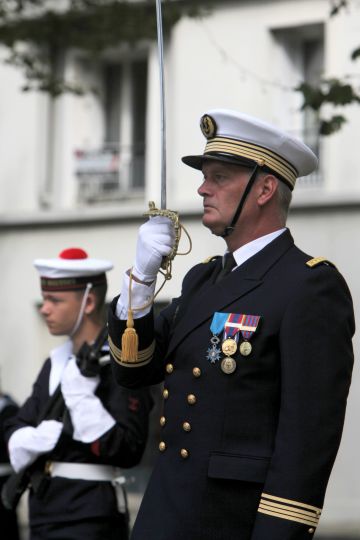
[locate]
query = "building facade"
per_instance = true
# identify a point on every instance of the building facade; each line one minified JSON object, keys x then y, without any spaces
{"x":80,"y":171}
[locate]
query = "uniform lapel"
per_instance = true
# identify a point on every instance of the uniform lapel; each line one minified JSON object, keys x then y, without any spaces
{"x":197,"y":307}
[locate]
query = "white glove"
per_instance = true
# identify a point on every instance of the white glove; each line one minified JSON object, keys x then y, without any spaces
{"x":28,"y":443}
{"x":156,"y":239}
{"x":89,"y":417}
{"x":74,"y":386}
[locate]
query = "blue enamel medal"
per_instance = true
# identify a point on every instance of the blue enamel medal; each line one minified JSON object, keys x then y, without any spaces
{"x":216,"y":327}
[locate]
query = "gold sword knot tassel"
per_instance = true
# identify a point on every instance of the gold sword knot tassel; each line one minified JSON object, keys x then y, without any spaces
{"x":130,"y":340}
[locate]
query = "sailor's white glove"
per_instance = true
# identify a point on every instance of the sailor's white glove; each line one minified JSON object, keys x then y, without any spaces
{"x":89,"y":417}
{"x":155,"y":240}
{"x":74,"y":386}
{"x":28,"y":443}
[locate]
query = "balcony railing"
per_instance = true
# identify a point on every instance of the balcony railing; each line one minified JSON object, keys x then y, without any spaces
{"x":110,"y":173}
{"x":313,"y":140}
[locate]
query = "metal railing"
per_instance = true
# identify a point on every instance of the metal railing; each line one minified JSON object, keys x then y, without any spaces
{"x":112,"y":172}
{"x":313,"y":140}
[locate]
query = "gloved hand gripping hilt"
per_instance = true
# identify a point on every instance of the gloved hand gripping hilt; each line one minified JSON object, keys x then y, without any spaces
{"x":174,"y":216}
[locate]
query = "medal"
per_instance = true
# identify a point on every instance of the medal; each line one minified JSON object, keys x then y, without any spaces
{"x":213,"y":353}
{"x":229,"y":346}
{"x":231,"y":334}
{"x":245,"y":348}
{"x":228,"y":365}
{"x":249,"y":325}
{"x":216,"y":327}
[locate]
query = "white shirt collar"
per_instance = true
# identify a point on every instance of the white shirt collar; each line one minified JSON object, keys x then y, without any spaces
{"x":251,"y":248}
{"x":59,"y":358}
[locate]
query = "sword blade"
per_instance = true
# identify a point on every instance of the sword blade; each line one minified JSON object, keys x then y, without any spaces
{"x":160,"y":42}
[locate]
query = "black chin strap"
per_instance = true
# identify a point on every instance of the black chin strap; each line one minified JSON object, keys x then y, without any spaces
{"x":229,"y":229}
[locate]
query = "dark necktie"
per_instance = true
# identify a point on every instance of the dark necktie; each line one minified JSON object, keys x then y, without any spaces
{"x":229,"y":263}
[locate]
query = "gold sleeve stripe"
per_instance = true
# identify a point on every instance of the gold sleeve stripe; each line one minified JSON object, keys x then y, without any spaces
{"x":289,"y":518}
{"x":144,"y":356}
{"x":292,"y":502}
{"x":291,"y":509}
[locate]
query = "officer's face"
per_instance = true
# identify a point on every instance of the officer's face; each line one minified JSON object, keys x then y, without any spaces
{"x":222,"y":188}
{"x":60,"y":311}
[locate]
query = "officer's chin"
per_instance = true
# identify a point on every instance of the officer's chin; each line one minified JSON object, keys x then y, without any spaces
{"x":215,"y":228}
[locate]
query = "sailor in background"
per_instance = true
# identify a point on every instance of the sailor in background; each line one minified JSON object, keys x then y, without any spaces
{"x":104,"y":426}
{"x":256,"y":353}
{"x":8,"y":518}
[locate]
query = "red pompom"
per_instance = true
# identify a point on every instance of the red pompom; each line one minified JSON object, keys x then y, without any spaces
{"x":73,"y":253}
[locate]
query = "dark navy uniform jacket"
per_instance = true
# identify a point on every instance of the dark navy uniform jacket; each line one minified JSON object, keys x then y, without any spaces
{"x":246,"y":455}
{"x":65,"y":500}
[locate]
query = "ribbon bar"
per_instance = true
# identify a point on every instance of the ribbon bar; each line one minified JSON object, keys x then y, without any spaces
{"x":241,"y":326}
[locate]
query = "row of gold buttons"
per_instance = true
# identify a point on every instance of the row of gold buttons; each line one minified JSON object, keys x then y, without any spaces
{"x":191,"y":399}
{"x":183,"y":452}
{"x":196,"y":370}
{"x":186,"y":425}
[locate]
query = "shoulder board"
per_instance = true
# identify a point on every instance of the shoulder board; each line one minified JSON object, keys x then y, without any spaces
{"x":212,"y":258}
{"x":319,"y":260}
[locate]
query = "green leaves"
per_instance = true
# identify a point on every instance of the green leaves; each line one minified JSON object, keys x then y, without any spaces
{"x":337,"y":6}
{"x":330,"y":91}
{"x":91,"y":26}
{"x":334,"y":124}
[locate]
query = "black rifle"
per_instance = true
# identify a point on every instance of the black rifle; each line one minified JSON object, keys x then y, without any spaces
{"x":88,"y":361}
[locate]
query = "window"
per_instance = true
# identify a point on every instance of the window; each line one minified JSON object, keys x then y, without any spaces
{"x":299,"y":57}
{"x":115,"y":169}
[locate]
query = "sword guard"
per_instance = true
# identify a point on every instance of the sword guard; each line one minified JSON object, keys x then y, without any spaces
{"x":174,"y":216}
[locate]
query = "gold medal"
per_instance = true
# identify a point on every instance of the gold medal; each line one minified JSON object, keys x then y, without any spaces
{"x":229,"y":346}
{"x":228,"y":365}
{"x":245,"y":348}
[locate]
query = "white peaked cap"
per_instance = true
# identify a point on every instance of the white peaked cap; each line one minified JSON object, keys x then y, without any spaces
{"x":238,"y":138}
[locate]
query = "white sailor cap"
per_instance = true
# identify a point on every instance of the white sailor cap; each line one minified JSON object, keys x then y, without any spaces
{"x":71,"y":270}
{"x":245,"y":140}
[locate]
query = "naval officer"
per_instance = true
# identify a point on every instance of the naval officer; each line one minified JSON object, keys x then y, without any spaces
{"x":255,"y":353}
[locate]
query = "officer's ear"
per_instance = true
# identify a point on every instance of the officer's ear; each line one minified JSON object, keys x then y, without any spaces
{"x":266,"y":188}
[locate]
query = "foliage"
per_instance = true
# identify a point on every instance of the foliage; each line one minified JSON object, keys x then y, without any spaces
{"x":38,"y":32}
{"x":334,"y":91}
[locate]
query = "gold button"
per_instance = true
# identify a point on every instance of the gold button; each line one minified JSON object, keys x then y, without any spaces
{"x":311,"y":530}
{"x":162,"y":421}
{"x":184,"y":453}
{"x":186,"y":426}
{"x":196,"y":372}
{"x":48,"y":467}
{"x":166,"y":393}
{"x":169,"y":368}
{"x":162,"y":446}
{"x":191,"y":399}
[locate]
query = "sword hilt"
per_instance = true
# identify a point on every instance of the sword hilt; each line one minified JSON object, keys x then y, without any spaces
{"x":174,"y":216}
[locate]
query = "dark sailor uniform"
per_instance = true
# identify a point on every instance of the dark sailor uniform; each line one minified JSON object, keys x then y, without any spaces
{"x":245,"y":454}
{"x":8,"y":518}
{"x":77,"y":507}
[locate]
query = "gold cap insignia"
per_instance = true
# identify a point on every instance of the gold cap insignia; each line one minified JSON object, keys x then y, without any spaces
{"x":208,"y":126}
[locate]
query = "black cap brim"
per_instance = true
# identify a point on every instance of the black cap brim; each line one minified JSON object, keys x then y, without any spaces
{"x":196,"y":162}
